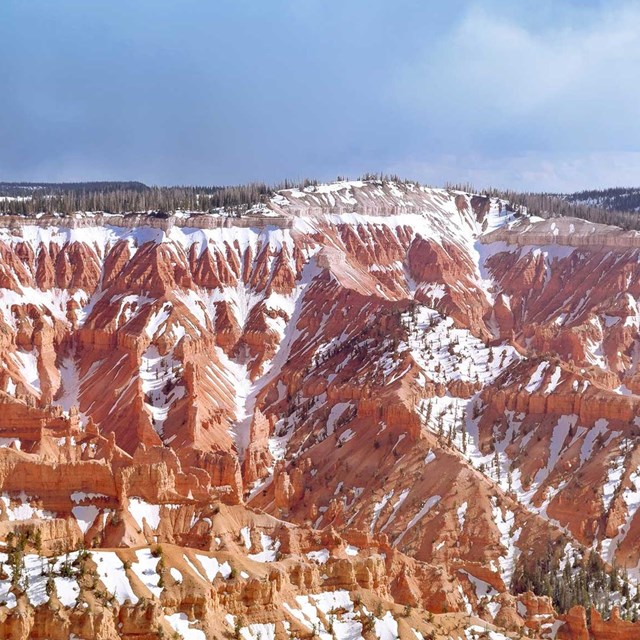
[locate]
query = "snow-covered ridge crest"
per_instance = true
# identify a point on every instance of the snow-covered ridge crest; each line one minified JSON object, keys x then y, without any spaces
{"x":286,"y":207}
{"x":572,"y":232}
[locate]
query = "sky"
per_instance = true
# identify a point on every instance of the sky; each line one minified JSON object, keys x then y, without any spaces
{"x":537,"y":95}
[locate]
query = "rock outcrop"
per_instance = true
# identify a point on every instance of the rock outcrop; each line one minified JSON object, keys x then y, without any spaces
{"x":364,"y":406}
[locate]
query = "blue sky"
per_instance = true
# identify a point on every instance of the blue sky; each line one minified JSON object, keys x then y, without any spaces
{"x":538,"y":95}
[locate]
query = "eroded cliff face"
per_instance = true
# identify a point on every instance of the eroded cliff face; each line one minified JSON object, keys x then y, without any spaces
{"x":355,"y":412}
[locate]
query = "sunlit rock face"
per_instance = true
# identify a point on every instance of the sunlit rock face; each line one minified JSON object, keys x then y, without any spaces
{"x":362,"y":404}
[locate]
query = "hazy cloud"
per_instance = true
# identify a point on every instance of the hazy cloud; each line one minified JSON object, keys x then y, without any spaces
{"x":535,"y":95}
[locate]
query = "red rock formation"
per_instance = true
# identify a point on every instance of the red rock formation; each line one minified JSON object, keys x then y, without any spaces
{"x":346,"y":360}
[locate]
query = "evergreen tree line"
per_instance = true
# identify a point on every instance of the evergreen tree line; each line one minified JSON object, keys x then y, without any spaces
{"x":612,"y":206}
{"x":127,"y":198}
{"x":22,"y":189}
{"x":31,"y":198}
{"x":617,"y":199}
{"x":576,"y":579}
{"x":548,"y":205}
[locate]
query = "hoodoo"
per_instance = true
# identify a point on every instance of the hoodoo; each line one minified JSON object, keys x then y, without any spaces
{"x":362,"y":409}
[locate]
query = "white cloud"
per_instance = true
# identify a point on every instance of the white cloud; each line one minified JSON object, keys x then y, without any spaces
{"x":497,"y":86}
{"x":537,"y":94}
{"x":536,"y":67}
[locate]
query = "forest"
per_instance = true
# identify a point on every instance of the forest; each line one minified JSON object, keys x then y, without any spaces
{"x":548,"y":205}
{"x":611,"y":206}
{"x":576,"y":578}
{"x":617,"y":199}
{"x":28,"y":199}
